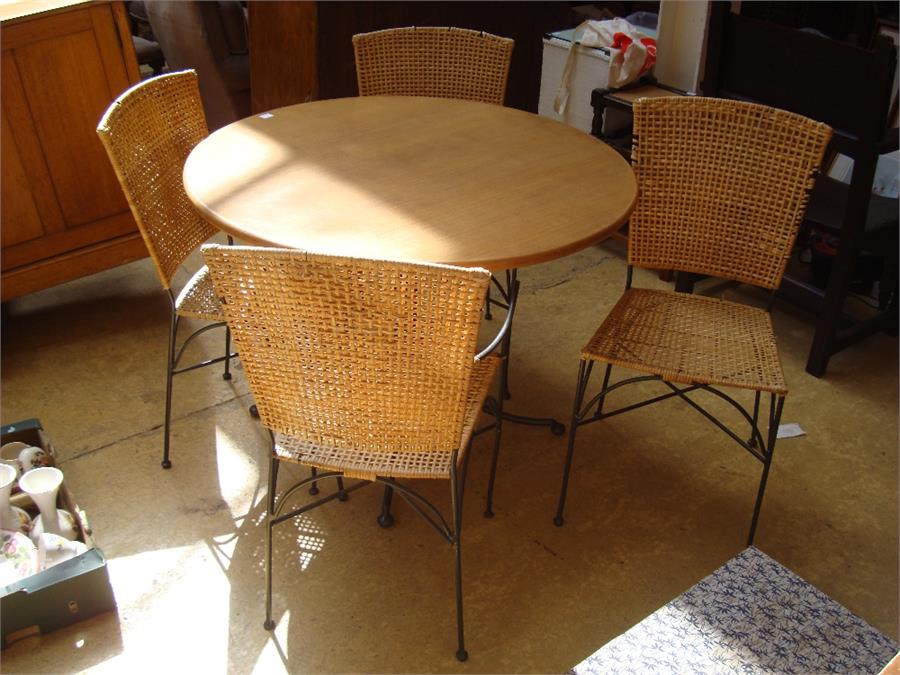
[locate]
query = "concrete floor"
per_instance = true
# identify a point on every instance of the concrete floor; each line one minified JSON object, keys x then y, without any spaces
{"x":659,"y":499}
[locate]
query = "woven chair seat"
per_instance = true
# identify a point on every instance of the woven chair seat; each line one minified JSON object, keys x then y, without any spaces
{"x":690,"y":339}
{"x":198,"y":298}
{"x":367,"y":465}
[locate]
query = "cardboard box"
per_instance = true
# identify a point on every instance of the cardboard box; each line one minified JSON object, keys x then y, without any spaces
{"x":65,"y":593}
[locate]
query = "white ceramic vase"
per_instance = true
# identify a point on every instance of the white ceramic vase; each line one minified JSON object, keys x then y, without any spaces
{"x":42,"y":485}
{"x":53,"y":549}
{"x":11,"y":517}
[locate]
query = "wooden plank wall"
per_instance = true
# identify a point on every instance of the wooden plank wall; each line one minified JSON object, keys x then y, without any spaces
{"x":282,"y":53}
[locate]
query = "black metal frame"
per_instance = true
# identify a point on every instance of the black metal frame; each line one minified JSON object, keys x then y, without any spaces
{"x":755,"y":445}
{"x":172,"y":368}
{"x":494,"y":405}
{"x":508,"y":296}
{"x":424,"y":508}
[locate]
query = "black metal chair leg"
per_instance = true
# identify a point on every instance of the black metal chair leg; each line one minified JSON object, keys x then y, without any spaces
{"x":342,"y":493}
{"x":603,"y":389}
{"x":273,"y":482}
{"x":774,"y":419}
{"x":584,"y":374}
{"x":386,"y":519}
{"x":462,"y":475}
{"x":506,"y":344}
{"x":170,"y":368}
{"x":489,"y":501}
{"x":273,"y":479}
{"x":227,"y":374}
{"x":314,"y":488}
{"x":461,"y":653}
{"x":754,"y":441}
{"x":505,"y":351}
{"x":487,"y":305}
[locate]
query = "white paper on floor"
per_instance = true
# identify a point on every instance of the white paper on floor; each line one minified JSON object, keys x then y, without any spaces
{"x":790,"y":430}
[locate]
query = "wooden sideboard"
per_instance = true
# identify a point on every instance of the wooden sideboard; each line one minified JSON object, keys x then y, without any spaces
{"x":62,"y":212}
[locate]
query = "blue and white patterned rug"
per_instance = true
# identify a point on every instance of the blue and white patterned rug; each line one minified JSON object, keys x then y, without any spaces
{"x":752,"y":615}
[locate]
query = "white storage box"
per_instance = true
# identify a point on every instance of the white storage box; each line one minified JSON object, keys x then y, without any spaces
{"x":591,"y":71}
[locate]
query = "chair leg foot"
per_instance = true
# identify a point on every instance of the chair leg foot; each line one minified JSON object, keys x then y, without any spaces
{"x":166,"y":464}
{"x":268,"y":624}
{"x":488,"y":513}
{"x":386,"y":518}
{"x":557,"y":428}
{"x":462,"y":655}
{"x":558,"y":521}
{"x":226,"y":376}
{"x":254,"y":412}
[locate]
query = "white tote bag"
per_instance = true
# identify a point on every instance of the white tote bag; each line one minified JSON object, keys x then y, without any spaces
{"x":631,"y":53}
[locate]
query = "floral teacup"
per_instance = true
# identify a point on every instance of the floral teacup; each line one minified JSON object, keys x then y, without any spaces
{"x":18,"y":557}
{"x":33,"y":457}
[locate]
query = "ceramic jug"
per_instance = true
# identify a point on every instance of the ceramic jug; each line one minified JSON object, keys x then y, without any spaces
{"x":42,"y":485}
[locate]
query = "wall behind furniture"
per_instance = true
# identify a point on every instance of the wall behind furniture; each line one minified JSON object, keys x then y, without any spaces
{"x":525,"y":22}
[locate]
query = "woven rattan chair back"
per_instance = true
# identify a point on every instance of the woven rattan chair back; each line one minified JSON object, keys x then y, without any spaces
{"x":148,"y":133}
{"x":723,"y":186}
{"x":350,"y":353}
{"x":440,"y":62}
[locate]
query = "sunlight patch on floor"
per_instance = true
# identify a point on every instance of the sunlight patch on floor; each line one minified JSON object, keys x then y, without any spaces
{"x":165,"y":594}
{"x":238,"y":474}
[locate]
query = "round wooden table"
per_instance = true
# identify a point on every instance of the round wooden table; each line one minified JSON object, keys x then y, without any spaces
{"x":411,"y":178}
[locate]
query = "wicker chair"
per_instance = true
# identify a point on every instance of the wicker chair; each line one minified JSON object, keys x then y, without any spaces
{"x":440,"y":62}
{"x":362,"y":369}
{"x":444,"y":63}
{"x":148,"y":133}
{"x":722,"y":190}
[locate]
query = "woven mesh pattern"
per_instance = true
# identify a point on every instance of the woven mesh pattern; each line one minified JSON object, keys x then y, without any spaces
{"x":440,"y":62}
{"x":366,"y":355}
{"x":368,"y":464}
{"x":148,"y":133}
{"x":690,"y":338}
{"x":723,"y":186}
{"x":198,"y":298}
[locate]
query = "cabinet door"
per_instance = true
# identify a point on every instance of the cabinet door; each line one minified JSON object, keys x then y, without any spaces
{"x":60,"y":72}
{"x":18,"y":208}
